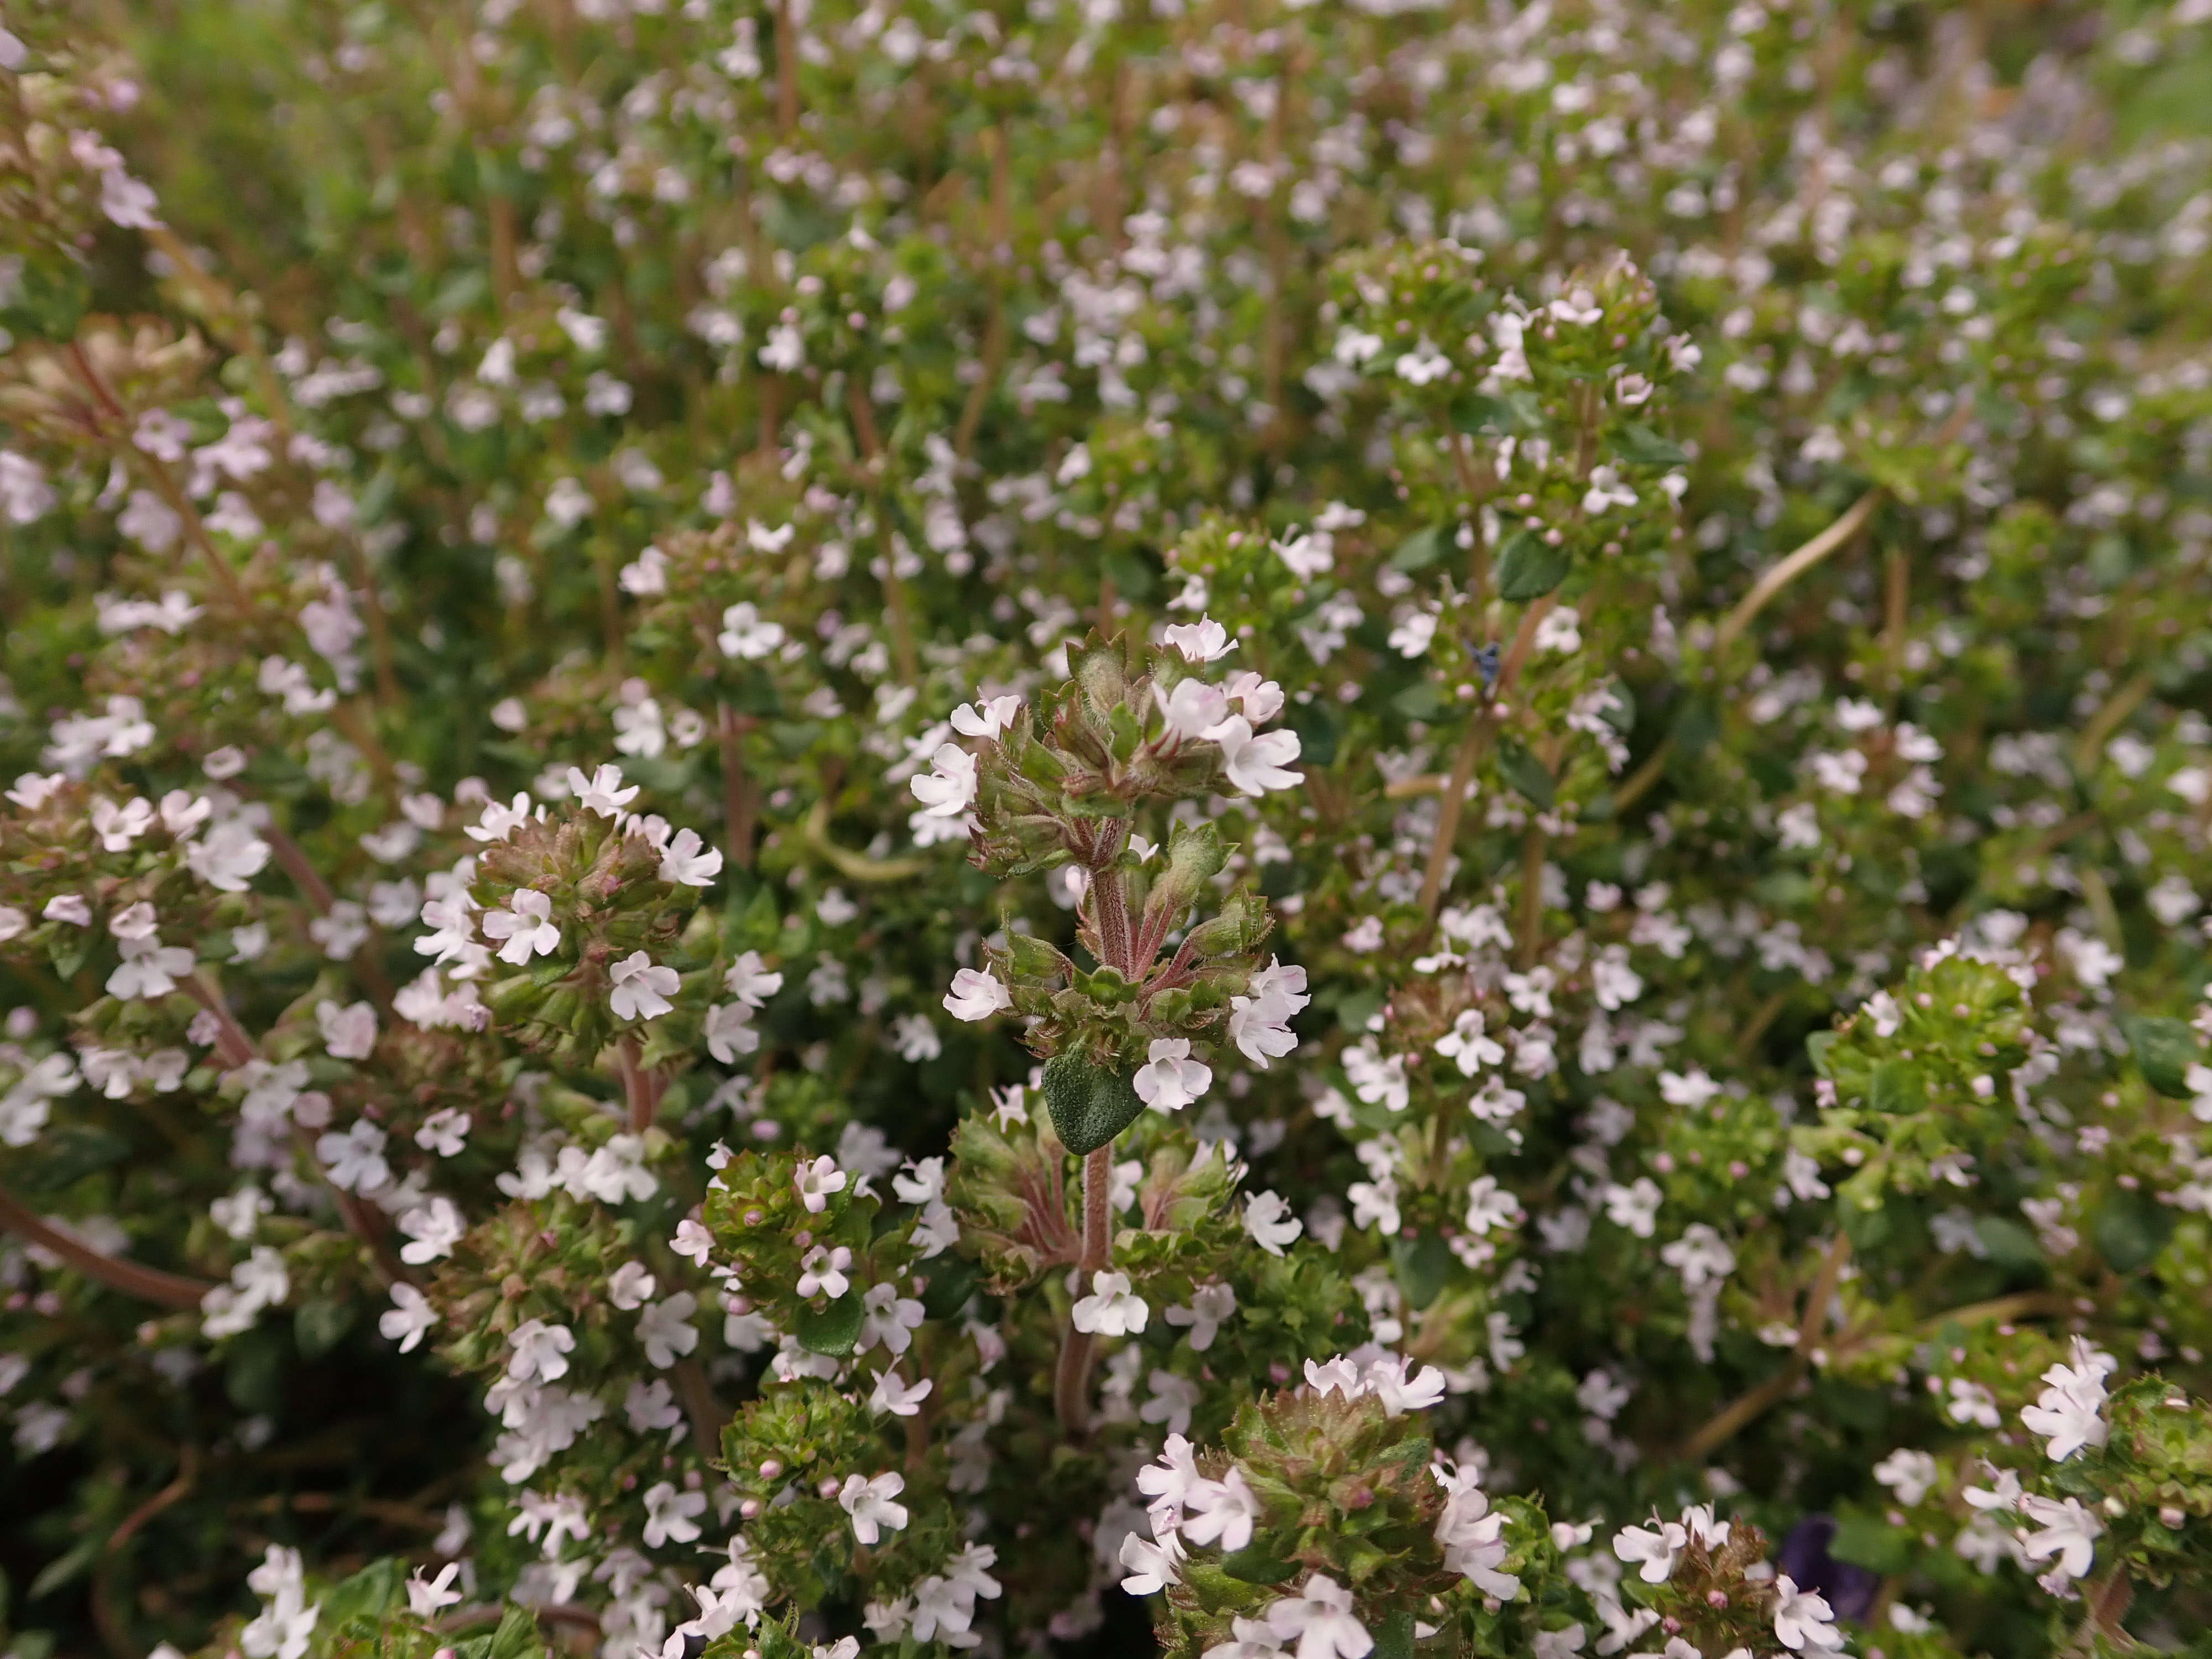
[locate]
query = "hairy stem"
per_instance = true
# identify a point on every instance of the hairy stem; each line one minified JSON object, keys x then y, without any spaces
{"x":642,"y":1086}
{"x":1071,"y":1388}
{"x":1110,"y":909}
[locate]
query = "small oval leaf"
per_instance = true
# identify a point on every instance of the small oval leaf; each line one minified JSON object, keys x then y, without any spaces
{"x":1528,"y":567}
{"x":1089,"y":1104}
{"x":833,"y":1330}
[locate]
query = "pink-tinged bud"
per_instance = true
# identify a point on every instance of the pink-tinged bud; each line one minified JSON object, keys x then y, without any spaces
{"x":804,"y":1239}
{"x":754,"y":1217}
{"x":771,"y":1469}
{"x":827,"y":1485}
{"x":749,"y":1509}
{"x":1716,"y":1598}
{"x":2172,"y":1519}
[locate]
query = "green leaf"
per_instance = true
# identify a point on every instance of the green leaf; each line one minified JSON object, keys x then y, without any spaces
{"x":1320,"y":728}
{"x":1528,"y":567}
{"x":1130,"y":572}
{"x":1620,"y":713}
{"x":1396,"y":1640}
{"x":254,"y":1368}
{"x":833,"y":1330}
{"x":1422,"y":1265}
{"x":1515,"y":411}
{"x":1696,"y":725}
{"x":2010,"y":1245}
{"x":68,"y":1154}
{"x":60,"y":1570}
{"x":1474,"y":412}
{"x":1089,"y":1105}
{"x":1255,"y":1565}
{"x":1419,"y":550}
{"x":1896,"y":1087}
{"x":1421,"y":701}
{"x":2164,"y":1049}
{"x":1865,"y":1227}
{"x":951,"y":1282}
{"x":371,"y":1593}
{"x":1525,"y":772}
{"x":1866,"y":1541}
{"x":320,"y":1324}
{"x":1816,"y":1049}
{"x":2131,"y":1229}
{"x":50,"y":294}
{"x":517,"y":1637}
{"x":1358,"y":1007}
{"x":1641,"y":445}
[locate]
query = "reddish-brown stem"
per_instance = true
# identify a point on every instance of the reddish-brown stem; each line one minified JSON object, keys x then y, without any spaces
{"x":787,"y":71}
{"x":363,"y":1220}
{"x":642,"y":1086}
{"x":188,"y":1463}
{"x":1524,"y":641}
{"x":1447,"y":816}
{"x":1531,"y":941}
{"x":235,"y":1048}
{"x":2109,"y":1602}
{"x":165,"y":483}
{"x":292,"y":860}
{"x":740,"y":804}
{"x":1097,"y":1210}
{"x":170,"y":1290}
{"x":1070,"y":1390}
{"x":1748,"y":1407}
{"x":1110,"y":909}
{"x":231,"y":1043}
{"x":995,"y":140}
{"x":704,"y":1411}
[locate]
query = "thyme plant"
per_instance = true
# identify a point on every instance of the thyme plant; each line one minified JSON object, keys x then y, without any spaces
{"x":1216,"y":826}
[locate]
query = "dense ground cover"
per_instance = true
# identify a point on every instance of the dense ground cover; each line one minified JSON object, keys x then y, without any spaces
{"x":1263,"y":829}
